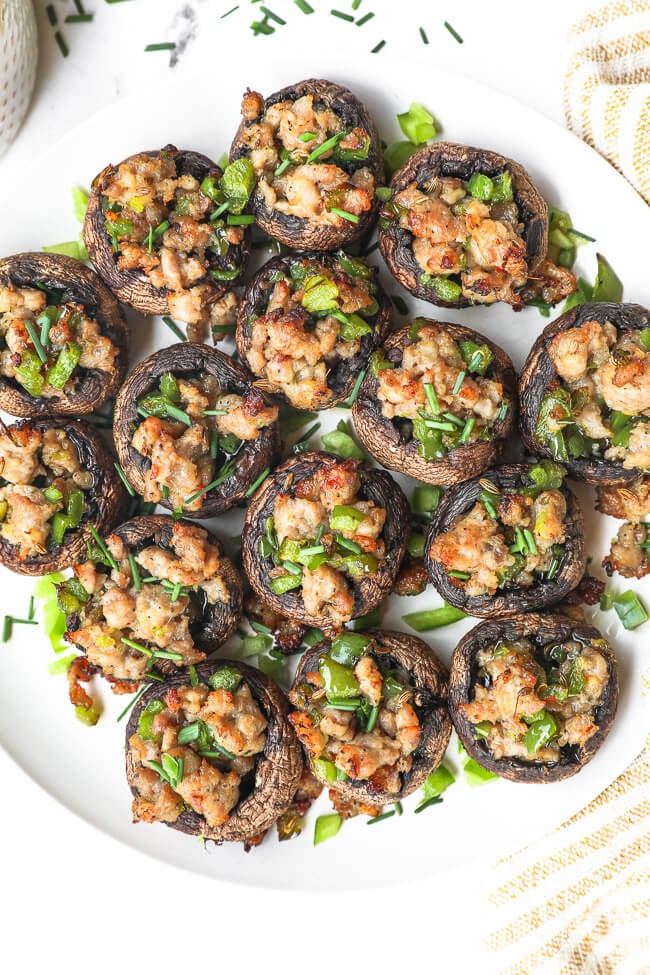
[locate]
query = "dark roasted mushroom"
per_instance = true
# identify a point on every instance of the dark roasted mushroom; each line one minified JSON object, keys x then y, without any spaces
{"x":57,"y":480}
{"x":473,"y":382}
{"x":266,"y":782}
{"x":448,"y":198}
{"x":300,"y":531}
{"x":173,"y":599}
{"x":509,"y":541}
{"x":602,"y":439}
{"x":562,"y":671}
{"x":306,"y":349}
{"x":230,"y":446}
{"x":399,"y":732}
{"x":80,"y":356}
{"x":153,"y":233}
{"x":308,"y":196}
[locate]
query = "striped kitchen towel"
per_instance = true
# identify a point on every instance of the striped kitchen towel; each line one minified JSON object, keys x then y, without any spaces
{"x":577,"y":902}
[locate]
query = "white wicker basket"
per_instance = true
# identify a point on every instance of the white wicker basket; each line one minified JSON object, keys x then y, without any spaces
{"x":18,"y":58}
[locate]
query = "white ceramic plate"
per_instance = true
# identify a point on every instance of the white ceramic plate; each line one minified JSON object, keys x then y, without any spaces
{"x":83,"y":767}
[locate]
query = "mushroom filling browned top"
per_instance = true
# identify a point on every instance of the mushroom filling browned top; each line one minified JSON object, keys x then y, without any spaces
{"x":357,"y":715}
{"x":511,"y":538}
{"x":192,"y":432}
{"x":600,"y":405}
{"x":629,"y":553}
{"x":46,"y":342}
{"x":442,"y":388}
{"x":468,"y":239}
{"x":535,"y":700}
{"x":195,"y":749}
{"x":42,"y":489}
{"x":322,"y":537}
{"x":174,"y":229}
{"x":136,"y":606}
{"x":306,"y":160}
{"x":315,"y":318}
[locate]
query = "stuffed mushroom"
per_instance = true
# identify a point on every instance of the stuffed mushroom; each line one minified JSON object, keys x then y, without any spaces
{"x":308,"y":324}
{"x":58,"y":485}
{"x":466,"y":226}
{"x":166,"y":231}
{"x":192,"y":431}
{"x":585,"y":393}
{"x":437,"y":403}
{"x":155,"y":596}
{"x":510,"y":541}
{"x":370,"y":711}
{"x":216,"y":757}
{"x":316,"y":158}
{"x":323,"y":539}
{"x":63,"y":337}
{"x":533,"y":697}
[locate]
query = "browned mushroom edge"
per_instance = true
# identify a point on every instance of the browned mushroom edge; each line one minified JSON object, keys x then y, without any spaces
{"x":459,"y":500}
{"x":383,"y":438}
{"x":134,"y":287}
{"x":277,"y":771}
{"x":544,"y":628}
{"x":105,"y":499}
{"x":451,"y":159}
{"x":188,"y":359}
{"x":343,"y":373}
{"x":377,"y":486}
{"x":430,"y":678}
{"x":217,"y":622}
{"x":299,"y":232}
{"x":82,"y":285}
{"x":538,"y":376}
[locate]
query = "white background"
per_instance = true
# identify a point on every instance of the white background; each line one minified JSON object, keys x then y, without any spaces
{"x":71,"y":898}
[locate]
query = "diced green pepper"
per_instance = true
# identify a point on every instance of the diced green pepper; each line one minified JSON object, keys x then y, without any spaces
{"x":396,"y":154}
{"x":353,"y":328}
{"x":60,"y":372}
{"x":145,"y":722}
{"x":3,"y":510}
{"x":425,"y":499}
{"x":445,"y":288}
{"x":289,"y":550}
{"x":353,"y":266}
{"x":226,"y":678}
{"x":341,"y":443}
{"x":502,"y":188}
{"x":169,"y":387}
{"x":430,"y":446}
{"x":282,"y":584}
{"x":345,"y":518}
{"x":433,"y":618}
{"x":480,"y":187}
{"x":630,"y":610}
{"x":326,"y":827}
{"x":360,"y":565}
{"x":338,"y":680}
{"x":608,"y":286}
{"x":324,"y":769}
{"x":210,"y":188}
{"x":378,"y":361}
{"x":347,"y":648}
{"x":478,"y":357}
{"x":542,"y":728}
{"x":415,"y":545}
{"x":417,"y":124}
{"x":29,"y":373}
{"x":319,"y":294}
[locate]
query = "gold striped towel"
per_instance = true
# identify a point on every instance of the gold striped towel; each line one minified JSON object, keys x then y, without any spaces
{"x":607,"y":86}
{"x":577,"y":902}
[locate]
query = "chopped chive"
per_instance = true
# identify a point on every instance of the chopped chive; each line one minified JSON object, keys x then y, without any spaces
{"x":229,"y":12}
{"x":137,"y":646}
{"x":272,"y":16}
{"x":176,"y":592}
{"x":254,"y":486}
{"x":423,"y":35}
{"x":166,"y":46}
{"x":220,"y":752}
{"x":458,"y":575}
{"x":350,"y":217}
{"x":220,"y":209}
{"x":398,"y":808}
{"x":324,"y":147}
{"x":355,"y":391}
{"x":6,"y":629}
{"x":135,"y":572}
{"x":168,"y":655}
{"x":580,"y":235}
{"x":372,"y":720}
{"x":51,"y":14}
{"x":32,"y":609}
{"x":36,"y":339}
{"x":433,"y":801}
{"x":530,"y":541}
{"x":194,"y":677}
{"x":458,"y":383}
{"x":430,"y":392}
{"x":378,"y":47}
{"x":304,"y":6}
{"x":364,"y":20}
{"x":342,"y":15}
{"x":165,"y":492}
{"x":503,"y":411}
{"x":307,"y":137}
{"x":240,"y":219}
{"x":553,"y":567}
{"x":467,"y":429}
{"x":15,"y":619}
{"x":355,"y":4}
{"x":214,"y":444}
{"x":379,"y":819}
{"x":133,"y":701}
{"x":122,"y":475}
{"x":433,"y":618}
{"x":79,"y":18}
{"x":262,"y":27}
{"x":225,"y":473}
{"x":286,"y":162}
{"x":260,"y":628}
{"x":171,"y":324}
{"x":161,"y":228}
{"x":454,"y":33}
{"x":108,"y":558}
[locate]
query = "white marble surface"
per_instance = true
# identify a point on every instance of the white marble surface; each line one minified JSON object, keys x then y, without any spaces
{"x":71,"y":896}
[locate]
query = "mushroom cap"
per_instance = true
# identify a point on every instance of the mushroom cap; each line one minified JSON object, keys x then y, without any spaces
{"x":383,"y":440}
{"x":82,"y":285}
{"x":461,"y":499}
{"x":187,"y":359}
{"x":451,"y":159}
{"x":299,"y":232}
{"x":539,"y":373}
{"x":544,"y":627}
{"x":277,"y":770}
